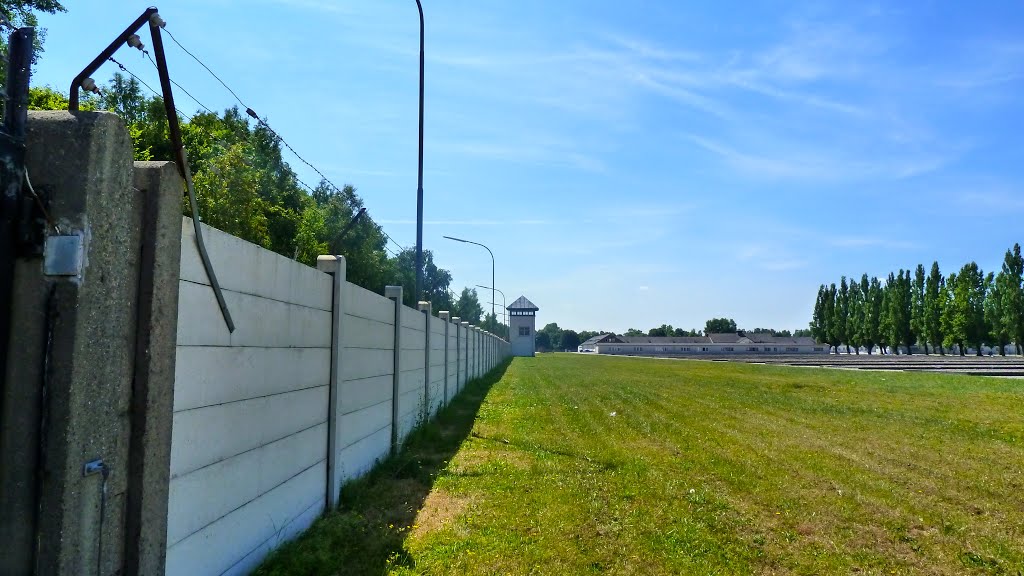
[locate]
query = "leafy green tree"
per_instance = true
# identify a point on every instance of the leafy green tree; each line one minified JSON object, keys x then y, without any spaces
{"x":855,"y":316}
{"x":1012,"y":292}
{"x":802,"y":333}
{"x":720,"y":326}
{"x":467,"y":306}
{"x":819,"y":321}
{"x":570,"y":341}
{"x":874,"y":306}
{"x":995,"y":301}
{"x":492,"y":325}
{"x":933,"y":291}
{"x":843,"y":314}
{"x":832,"y":317}
{"x":25,"y":13}
{"x":634,"y":332}
{"x":917,"y":313}
{"x":228,"y":197}
{"x":956,"y":313}
{"x":543,"y":342}
{"x":977,"y":330}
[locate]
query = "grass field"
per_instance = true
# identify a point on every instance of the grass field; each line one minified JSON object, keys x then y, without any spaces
{"x":584,"y":465}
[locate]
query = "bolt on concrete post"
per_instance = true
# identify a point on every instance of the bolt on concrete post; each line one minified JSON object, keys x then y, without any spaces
{"x":395,"y":293}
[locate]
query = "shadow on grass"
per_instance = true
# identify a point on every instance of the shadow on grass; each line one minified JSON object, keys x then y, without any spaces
{"x":366,"y":534}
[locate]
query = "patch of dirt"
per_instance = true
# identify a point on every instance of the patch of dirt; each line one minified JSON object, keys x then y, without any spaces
{"x":439,"y":508}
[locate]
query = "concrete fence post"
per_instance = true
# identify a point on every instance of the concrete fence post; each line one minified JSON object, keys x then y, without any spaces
{"x":445,"y":315}
{"x":424,"y":307}
{"x":335,"y":266}
{"x":465,"y":361}
{"x":459,"y":337}
{"x":85,"y":442}
{"x":395,"y":293}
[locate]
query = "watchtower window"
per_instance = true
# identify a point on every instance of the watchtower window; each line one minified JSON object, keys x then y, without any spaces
{"x":524,"y":330}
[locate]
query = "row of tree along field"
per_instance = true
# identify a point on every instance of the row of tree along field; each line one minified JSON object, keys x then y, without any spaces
{"x":937,"y":313}
{"x":246,"y":188}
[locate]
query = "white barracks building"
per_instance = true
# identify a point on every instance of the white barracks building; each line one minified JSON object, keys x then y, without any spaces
{"x":738,"y":343}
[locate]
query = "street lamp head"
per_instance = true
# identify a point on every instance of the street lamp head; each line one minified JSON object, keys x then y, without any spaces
{"x":456,"y":239}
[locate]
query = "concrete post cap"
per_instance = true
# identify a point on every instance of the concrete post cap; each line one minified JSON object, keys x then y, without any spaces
{"x":466,"y":324}
{"x":423,"y":306}
{"x":330,"y":263}
{"x":444,"y":314}
{"x":393,"y":292}
{"x":456,"y":319}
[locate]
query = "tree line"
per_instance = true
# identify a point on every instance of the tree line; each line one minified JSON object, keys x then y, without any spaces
{"x":965,"y":309}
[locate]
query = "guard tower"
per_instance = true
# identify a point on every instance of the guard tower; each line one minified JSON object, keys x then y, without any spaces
{"x":522,"y":326}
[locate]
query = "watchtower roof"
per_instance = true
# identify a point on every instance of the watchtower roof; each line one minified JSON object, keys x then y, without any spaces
{"x":523,"y":304}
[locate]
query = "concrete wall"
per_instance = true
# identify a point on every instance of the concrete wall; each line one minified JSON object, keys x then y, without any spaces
{"x":309,"y":392}
{"x":249,"y":440}
{"x":155,"y":440}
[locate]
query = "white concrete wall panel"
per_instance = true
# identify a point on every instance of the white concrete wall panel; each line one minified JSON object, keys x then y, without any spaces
{"x":361,"y":302}
{"x":208,"y":375}
{"x":207,"y":435}
{"x":247,"y":268}
{"x":263,"y":522}
{"x":258,"y":321}
{"x":226,"y":486}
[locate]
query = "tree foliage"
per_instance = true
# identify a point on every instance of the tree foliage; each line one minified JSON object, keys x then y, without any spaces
{"x":966,"y":309}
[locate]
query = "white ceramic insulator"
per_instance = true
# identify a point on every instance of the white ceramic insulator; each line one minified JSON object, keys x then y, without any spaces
{"x":89,"y":85}
{"x":135,"y":42}
{"x":156,"y":20}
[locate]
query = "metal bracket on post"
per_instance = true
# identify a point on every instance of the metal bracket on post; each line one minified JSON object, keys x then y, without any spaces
{"x":152,"y":17}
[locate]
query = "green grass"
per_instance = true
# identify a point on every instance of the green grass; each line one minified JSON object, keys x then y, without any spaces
{"x":705,"y":468}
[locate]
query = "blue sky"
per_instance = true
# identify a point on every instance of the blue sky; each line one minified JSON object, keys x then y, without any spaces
{"x":633,"y":163}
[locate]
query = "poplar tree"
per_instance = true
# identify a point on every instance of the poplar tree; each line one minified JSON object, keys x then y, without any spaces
{"x":934,"y":287}
{"x":873,"y":315}
{"x":917,"y":317}
{"x":1013,"y":296}
{"x":998,"y":331}
{"x":856,"y":316}
{"x":955,"y":312}
{"x":843,"y":314}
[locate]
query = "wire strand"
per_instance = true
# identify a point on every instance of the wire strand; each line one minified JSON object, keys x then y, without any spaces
{"x":179,"y":86}
{"x":228,"y":88}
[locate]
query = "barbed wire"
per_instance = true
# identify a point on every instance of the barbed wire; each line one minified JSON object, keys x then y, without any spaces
{"x":224,"y":144}
{"x":252,"y":113}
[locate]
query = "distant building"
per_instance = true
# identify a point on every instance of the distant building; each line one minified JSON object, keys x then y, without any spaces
{"x":739,"y":343}
{"x":522,"y":327}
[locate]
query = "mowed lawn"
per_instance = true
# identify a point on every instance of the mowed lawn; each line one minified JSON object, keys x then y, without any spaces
{"x":586,"y":465}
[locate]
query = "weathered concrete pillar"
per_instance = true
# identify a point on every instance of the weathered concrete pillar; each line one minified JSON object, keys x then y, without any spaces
{"x":395,"y":294}
{"x":459,"y":337}
{"x":424,"y":308}
{"x":465,"y":360}
{"x":85,"y":440}
{"x":445,"y":315}
{"x":336,"y":267}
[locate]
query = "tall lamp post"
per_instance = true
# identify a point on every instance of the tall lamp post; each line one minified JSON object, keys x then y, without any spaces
{"x":492,"y":264}
{"x":419,"y":187}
